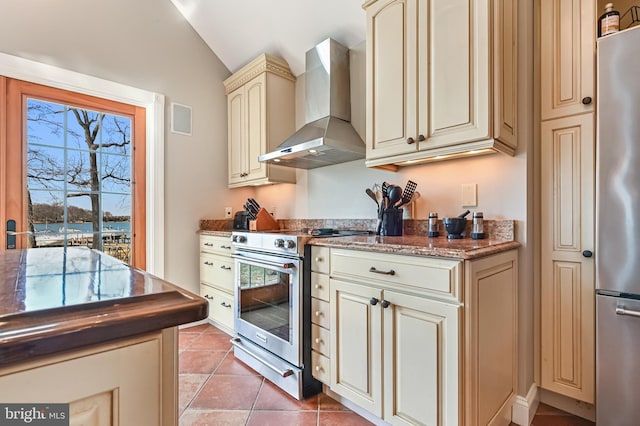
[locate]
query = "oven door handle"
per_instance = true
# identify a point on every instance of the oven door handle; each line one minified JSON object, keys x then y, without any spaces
{"x":284,"y":373}
{"x":282,"y":266}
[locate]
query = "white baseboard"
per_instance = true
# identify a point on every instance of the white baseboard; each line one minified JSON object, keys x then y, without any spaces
{"x":524,"y":408}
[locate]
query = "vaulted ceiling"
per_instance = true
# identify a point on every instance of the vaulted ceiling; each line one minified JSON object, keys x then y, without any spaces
{"x":239,"y":30}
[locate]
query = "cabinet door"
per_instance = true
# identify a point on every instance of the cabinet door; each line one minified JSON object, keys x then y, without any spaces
{"x":454,"y":69}
{"x":391,"y":77}
{"x":236,"y":131}
{"x":567,"y":57}
{"x":356,"y":359}
{"x":567,"y":277}
{"x":421,"y":364}
{"x":256,"y":128}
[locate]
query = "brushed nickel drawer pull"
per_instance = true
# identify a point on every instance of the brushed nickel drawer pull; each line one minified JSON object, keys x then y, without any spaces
{"x":375,"y":271}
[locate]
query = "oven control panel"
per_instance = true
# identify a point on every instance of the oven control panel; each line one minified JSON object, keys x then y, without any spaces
{"x":268,"y":242}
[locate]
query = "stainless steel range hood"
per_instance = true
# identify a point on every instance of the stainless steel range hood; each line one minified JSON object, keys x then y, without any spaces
{"x":328,"y":137}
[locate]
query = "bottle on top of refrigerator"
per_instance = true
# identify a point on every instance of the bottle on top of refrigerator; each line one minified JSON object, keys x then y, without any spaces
{"x":609,"y":21}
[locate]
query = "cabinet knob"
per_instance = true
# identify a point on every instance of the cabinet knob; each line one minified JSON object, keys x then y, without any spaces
{"x":373,"y":301}
{"x":421,"y":138}
{"x":318,"y":259}
{"x":318,"y":368}
{"x":410,"y":141}
{"x":587,"y":100}
{"x":318,"y":313}
{"x":385,"y":304}
{"x":318,"y":286}
{"x":587,"y":253}
{"x":318,"y":340}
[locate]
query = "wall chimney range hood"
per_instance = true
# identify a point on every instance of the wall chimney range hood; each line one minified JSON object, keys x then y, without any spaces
{"x":328,"y":137}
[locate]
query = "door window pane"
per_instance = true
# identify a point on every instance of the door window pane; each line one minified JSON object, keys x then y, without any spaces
{"x":79,"y":178}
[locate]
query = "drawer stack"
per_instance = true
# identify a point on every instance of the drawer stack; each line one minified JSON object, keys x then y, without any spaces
{"x":320,"y":313}
{"x":216,"y":279}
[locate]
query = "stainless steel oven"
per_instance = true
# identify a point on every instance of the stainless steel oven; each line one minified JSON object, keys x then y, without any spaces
{"x":268,"y":293}
{"x":272,"y":313}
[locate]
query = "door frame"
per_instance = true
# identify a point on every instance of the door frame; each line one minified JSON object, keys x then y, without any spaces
{"x":48,"y":75}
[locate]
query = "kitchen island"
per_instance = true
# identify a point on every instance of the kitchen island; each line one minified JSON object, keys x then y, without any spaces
{"x":80,"y":327}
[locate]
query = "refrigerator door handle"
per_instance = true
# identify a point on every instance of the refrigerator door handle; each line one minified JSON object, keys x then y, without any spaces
{"x":623,"y":311}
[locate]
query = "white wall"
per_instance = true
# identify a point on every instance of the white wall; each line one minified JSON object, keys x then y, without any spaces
{"x":145,"y":44}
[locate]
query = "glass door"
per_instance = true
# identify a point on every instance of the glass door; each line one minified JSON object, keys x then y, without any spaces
{"x":73,"y":171}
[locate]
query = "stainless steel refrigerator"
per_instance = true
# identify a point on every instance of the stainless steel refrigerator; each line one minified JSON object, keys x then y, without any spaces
{"x":618,"y":230}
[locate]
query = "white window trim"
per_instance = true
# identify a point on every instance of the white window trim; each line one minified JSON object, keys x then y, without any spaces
{"x":48,"y":75}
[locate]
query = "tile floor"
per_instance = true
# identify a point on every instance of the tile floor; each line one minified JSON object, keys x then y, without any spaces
{"x":217,"y":389}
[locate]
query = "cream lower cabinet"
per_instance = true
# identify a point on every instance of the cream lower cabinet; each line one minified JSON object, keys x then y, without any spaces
{"x":130,"y":382}
{"x":320,"y":315}
{"x":401,"y":337}
{"x":567,"y":287}
{"x":216,"y":279}
{"x":441,"y":78}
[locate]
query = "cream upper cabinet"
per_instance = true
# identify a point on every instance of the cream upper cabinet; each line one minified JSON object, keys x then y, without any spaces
{"x":431,"y":68}
{"x":261,"y":115}
{"x":567,"y":290}
{"x":567,"y":61}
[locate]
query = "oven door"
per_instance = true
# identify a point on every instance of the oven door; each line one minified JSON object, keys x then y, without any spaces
{"x":268,"y":292}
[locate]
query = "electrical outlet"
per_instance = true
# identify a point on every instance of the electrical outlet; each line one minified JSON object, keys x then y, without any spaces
{"x":469,"y":194}
{"x":273,"y":211}
{"x":227,"y":212}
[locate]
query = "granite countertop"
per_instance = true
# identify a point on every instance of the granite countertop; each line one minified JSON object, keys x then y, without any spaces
{"x":417,"y":245}
{"x":414,"y":242}
{"x":56,"y":299}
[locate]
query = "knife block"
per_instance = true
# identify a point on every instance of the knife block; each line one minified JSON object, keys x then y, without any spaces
{"x":264,"y":222}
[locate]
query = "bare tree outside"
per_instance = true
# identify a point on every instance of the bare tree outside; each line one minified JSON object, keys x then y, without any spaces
{"x":78,"y":168}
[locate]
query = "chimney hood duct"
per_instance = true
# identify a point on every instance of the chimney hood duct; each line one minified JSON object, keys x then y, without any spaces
{"x":328,"y":137}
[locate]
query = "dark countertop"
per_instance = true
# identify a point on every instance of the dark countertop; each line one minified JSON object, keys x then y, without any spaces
{"x":416,"y":245}
{"x":53,"y":300}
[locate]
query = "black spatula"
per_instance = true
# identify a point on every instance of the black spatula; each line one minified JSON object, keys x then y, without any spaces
{"x":408,"y":193}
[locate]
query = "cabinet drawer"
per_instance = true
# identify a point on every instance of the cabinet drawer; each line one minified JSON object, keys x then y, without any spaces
{"x":320,"y":313}
{"x":426,"y":276}
{"x":215,"y":244}
{"x":221,"y":305}
{"x":320,"y":367}
{"x":320,"y":286}
{"x":320,"y":257}
{"x":217,"y":271}
{"x":320,"y":339}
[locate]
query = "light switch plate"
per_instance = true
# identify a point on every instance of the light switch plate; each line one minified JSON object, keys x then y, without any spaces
{"x":469,"y":194}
